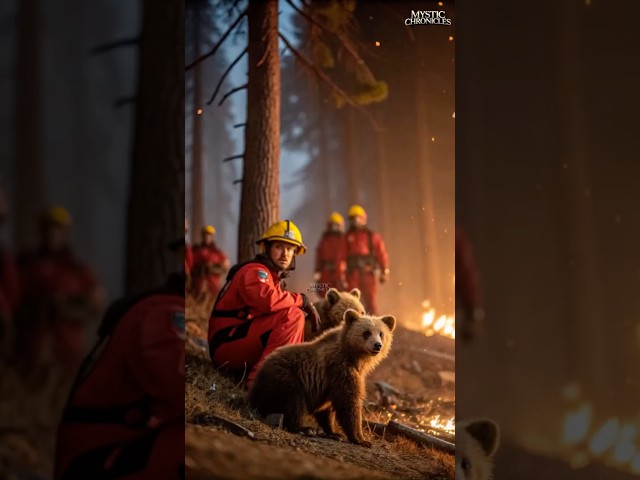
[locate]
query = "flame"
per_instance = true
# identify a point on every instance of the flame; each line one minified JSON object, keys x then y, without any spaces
{"x":444,"y":325}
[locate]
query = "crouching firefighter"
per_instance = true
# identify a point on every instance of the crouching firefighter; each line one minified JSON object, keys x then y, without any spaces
{"x":253,"y":314}
{"x":124,"y":418}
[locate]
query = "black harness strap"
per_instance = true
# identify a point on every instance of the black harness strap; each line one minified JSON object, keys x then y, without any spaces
{"x":223,"y":336}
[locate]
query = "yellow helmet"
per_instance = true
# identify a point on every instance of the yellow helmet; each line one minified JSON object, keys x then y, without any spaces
{"x":57,"y":216}
{"x":284,"y":231}
{"x":336,"y":218}
{"x":208,"y":229}
{"x":357,"y":211}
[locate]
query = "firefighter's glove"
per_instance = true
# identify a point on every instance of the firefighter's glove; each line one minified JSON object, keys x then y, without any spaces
{"x":384,"y":276}
{"x":312,"y":314}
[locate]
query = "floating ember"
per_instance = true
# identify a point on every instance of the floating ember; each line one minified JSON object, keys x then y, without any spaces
{"x":444,"y":325}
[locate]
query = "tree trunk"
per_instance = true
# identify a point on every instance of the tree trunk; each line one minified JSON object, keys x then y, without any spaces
{"x":29,"y":189}
{"x":197,"y":195}
{"x":260,"y":206}
{"x":156,"y":199}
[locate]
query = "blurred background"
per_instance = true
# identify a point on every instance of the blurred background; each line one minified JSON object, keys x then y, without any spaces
{"x":547,"y":189}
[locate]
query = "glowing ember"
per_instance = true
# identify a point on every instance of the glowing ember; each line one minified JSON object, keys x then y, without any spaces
{"x":444,"y":325}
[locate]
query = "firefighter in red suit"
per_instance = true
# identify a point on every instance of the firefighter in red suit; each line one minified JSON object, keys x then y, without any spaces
{"x":60,"y":296}
{"x":330,"y":259}
{"x":188,"y":252}
{"x":209,"y":264}
{"x":253,"y":314}
{"x":469,"y":298}
{"x":365,"y":255}
{"x":124,"y":418}
{"x":9,"y":289}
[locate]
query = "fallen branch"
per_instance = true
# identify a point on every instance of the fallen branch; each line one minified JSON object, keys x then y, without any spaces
{"x":233,"y":427}
{"x":224,"y":75}
{"x":375,"y":427}
{"x":217,"y":45}
{"x":395,"y":428}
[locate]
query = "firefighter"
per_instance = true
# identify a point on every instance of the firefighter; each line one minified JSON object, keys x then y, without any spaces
{"x":188,"y":251}
{"x":253,"y":314}
{"x":9,"y":289}
{"x":366,"y":257}
{"x":124,"y":418}
{"x":469,"y":298}
{"x":209,"y":264}
{"x":330,"y":264}
{"x":60,"y":296}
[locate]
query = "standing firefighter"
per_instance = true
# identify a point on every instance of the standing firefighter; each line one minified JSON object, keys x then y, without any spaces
{"x":125,"y":415}
{"x":253,"y":314}
{"x":366,"y":255}
{"x":209,"y":264}
{"x":9,"y":288}
{"x":61,"y":296}
{"x":330,"y":264}
{"x":469,"y":298}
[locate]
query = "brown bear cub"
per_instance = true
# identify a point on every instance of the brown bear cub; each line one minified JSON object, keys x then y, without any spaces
{"x":476,"y":444}
{"x":331,"y":310}
{"x":325,"y":377}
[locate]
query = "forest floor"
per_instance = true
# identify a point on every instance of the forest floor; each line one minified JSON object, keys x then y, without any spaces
{"x":417,"y":390}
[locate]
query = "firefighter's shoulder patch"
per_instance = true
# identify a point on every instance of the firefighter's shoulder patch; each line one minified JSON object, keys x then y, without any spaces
{"x":263,"y":275}
{"x":177,"y":318}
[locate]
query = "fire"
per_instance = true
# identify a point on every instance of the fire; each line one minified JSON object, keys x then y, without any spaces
{"x":448,"y":426}
{"x":612,"y":440}
{"x":444,"y":325}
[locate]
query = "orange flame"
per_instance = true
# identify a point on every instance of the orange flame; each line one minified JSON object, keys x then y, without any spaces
{"x":444,"y":325}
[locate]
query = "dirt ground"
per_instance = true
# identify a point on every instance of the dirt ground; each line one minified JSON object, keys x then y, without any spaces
{"x":217,"y":449}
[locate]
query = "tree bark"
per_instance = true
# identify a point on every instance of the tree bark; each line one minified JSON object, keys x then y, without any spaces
{"x":29,"y":190}
{"x":260,"y":204}
{"x":156,"y":199}
{"x":197,"y":195}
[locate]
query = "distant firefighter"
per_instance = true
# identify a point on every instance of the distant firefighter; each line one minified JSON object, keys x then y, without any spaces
{"x":330,"y":268}
{"x":469,"y":299}
{"x":61,"y":295}
{"x":366,"y":255}
{"x":209,"y":265}
{"x":9,"y":288}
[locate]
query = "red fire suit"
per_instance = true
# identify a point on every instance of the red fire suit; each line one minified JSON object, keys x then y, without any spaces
{"x":125,"y":416}
{"x":253,"y":316}
{"x":468,"y":290}
{"x":209,"y":264}
{"x":60,"y":294}
{"x":365,"y":252}
{"x":330,"y":261}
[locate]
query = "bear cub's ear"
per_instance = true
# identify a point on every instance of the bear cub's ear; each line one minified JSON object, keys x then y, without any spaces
{"x":487,"y":433}
{"x":333,"y":296}
{"x":356,"y":293}
{"x":350,"y":317}
{"x":389,"y":321}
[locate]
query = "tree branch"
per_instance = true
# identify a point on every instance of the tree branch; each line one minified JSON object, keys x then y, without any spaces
{"x":122,"y":101}
{"x":328,"y":81}
{"x":235,"y":182}
{"x":224,"y":75}
{"x":217,"y":45}
{"x":237,"y":89}
{"x":235,"y":157}
{"x":238,"y":125}
{"x":346,"y":43}
{"x":124,"y":42}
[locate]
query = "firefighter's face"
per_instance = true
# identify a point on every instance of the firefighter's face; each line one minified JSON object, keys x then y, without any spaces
{"x":282,"y":253}
{"x":56,"y":236}
{"x":207,"y":238}
{"x":335,"y":227}
{"x":358,"y":221}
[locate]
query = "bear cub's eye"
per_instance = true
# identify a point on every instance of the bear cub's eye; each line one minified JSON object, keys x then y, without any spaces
{"x":381,"y":335}
{"x":366,"y":334}
{"x":465,"y":464}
